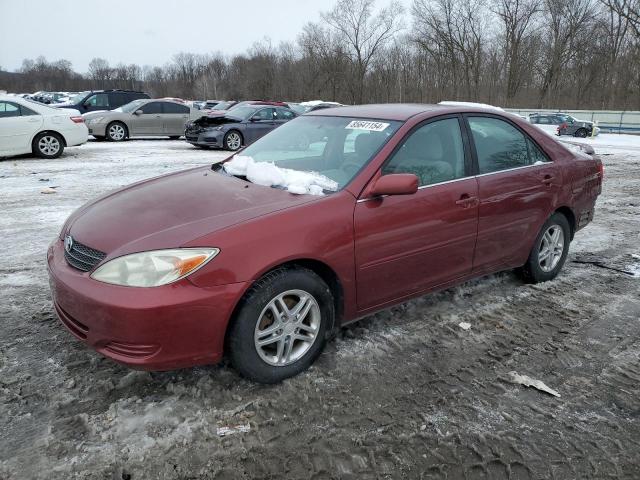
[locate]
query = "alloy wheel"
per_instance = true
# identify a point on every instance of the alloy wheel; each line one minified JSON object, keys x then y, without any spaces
{"x":287,"y":327}
{"x":49,"y":145}
{"x":116,"y":132}
{"x":551,"y":248}
{"x":233,"y":141}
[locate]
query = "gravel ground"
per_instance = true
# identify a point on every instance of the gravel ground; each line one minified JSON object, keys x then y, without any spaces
{"x":405,"y":393}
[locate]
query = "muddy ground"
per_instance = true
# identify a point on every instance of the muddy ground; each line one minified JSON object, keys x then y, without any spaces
{"x":405,"y":393}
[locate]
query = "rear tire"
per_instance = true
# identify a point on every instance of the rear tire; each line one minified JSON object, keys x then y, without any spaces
{"x":267,"y":346}
{"x":549,"y":251}
{"x":47,"y":145}
{"x":117,"y":132}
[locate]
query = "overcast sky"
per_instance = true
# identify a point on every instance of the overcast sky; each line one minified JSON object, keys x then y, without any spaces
{"x":145,"y":32}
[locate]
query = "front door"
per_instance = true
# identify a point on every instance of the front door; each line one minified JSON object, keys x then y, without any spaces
{"x":407,"y":244}
{"x":150,"y":122}
{"x":517,"y":186}
{"x":260,"y":123}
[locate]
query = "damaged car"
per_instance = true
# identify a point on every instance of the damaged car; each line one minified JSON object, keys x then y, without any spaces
{"x":260,"y":258}
{"x":240,"y":126}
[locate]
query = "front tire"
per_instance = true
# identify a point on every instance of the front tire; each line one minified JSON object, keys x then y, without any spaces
{"x":549,"y":251}
{"x":581,"y":132}
{"x":48,"y":145}
{"x":117,"y":132}
{"x":233,"y":140}
{"x":281,"y":326}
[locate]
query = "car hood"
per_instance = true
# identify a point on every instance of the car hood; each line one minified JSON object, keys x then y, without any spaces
{"x":172,"y":210}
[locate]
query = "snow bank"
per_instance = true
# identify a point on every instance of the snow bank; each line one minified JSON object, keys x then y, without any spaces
{"x":270,"y":175}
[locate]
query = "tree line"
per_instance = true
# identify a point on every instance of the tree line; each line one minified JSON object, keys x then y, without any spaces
{"x":512,"y":53}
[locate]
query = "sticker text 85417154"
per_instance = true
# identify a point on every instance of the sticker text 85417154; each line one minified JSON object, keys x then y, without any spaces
{"x":367,"y":125}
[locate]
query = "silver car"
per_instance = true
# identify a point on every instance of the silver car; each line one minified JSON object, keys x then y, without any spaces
{"x":141,"y":118}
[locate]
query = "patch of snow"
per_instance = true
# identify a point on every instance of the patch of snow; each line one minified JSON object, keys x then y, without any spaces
{"x":270,"y":175}
{"x":470,"y":104}
{"x":464,"y":325}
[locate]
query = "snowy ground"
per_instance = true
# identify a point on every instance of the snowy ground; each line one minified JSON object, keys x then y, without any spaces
{"x":405,"y":393}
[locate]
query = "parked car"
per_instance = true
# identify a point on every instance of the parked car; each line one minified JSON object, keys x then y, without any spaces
{"x":31,"y":127}
{"x":101,"y":100}
{"x":397,"y":201}
{"x":567,"y":125}
{"x":240,"y":126}
{"x":209,"y":104}
{"x":141,"y":118}
{"x":221,"y":108}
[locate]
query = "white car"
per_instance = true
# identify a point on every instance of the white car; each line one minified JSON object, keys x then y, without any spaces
{"x":31,"y":127}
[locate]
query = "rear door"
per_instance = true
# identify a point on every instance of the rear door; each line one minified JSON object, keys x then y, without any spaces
{"x":18,"y":125}
{"x":175,"y":117}
{"x":406,"y":244}
{"x":518,"y":185}
{"x":150,"y":122}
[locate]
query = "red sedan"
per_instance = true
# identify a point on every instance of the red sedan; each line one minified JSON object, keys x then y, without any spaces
{"x":331,"y":217}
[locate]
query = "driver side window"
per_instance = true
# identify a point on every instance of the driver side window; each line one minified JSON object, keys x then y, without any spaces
{"x":264,"y":114}
{"x":433,"y":152}
{"x":98,"y":100}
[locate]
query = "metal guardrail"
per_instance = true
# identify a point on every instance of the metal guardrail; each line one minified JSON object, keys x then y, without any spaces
{"x":609,"y":121}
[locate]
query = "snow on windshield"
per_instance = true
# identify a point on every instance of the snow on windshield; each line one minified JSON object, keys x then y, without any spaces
{"x":270,"y":175}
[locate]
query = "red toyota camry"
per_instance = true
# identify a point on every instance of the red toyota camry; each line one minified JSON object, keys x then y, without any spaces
{"x":334,"y":215}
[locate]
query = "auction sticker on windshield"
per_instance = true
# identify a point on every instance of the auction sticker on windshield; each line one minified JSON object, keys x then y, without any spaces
{"x":365,"y":125}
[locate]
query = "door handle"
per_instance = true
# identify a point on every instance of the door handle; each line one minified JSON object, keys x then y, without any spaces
{"x":547,"y":179}
{"x":467,"y":201}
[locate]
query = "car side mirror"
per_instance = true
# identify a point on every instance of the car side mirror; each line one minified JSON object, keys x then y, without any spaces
{"x":395,"y":184}
{"x":138,"y":112}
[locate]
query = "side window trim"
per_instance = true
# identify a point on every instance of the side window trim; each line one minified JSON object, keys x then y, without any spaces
{"x":474,"y":153}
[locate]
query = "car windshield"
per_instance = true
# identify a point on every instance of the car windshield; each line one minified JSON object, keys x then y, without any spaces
{"x":314,"y":154}
{"x":242,"y":112}
{"x":130,"y":107}
{"x":79,"y":97}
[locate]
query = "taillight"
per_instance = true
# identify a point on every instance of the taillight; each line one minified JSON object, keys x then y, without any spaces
{"x":77,"y":119}
{"x":601,"y":170}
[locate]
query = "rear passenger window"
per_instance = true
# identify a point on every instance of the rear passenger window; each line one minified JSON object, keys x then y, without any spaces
{"x":499,"y":145}
{"x":170,"y":107}
{"x":535,"y":154}
{"x":9,"y":110}
{"x":434,"y":152}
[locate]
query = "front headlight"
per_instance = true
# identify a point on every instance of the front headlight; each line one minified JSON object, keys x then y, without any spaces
{"x":154,"y":268}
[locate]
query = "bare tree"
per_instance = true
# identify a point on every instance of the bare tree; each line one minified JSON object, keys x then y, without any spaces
{"x":364,"y":33}
{"x":518,"y":18}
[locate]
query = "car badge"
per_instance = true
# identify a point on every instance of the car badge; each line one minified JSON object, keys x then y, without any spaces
{"x":68,"y":243}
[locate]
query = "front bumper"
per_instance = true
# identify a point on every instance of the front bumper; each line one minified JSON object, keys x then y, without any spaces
{"x":208,"y":138}
{"x":161,"y":328}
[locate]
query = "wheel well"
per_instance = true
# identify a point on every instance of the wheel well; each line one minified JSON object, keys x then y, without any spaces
{"x":571,"y":218}
{"x":321,"y":269}
{"x":126,"y":127}
{"x":237,"y":131}
{"x":64,"y":140}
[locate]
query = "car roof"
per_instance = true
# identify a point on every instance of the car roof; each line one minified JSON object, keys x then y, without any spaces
{"x":396,"y":111}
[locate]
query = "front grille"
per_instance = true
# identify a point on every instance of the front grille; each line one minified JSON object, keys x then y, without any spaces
{"x":82,"y":257}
